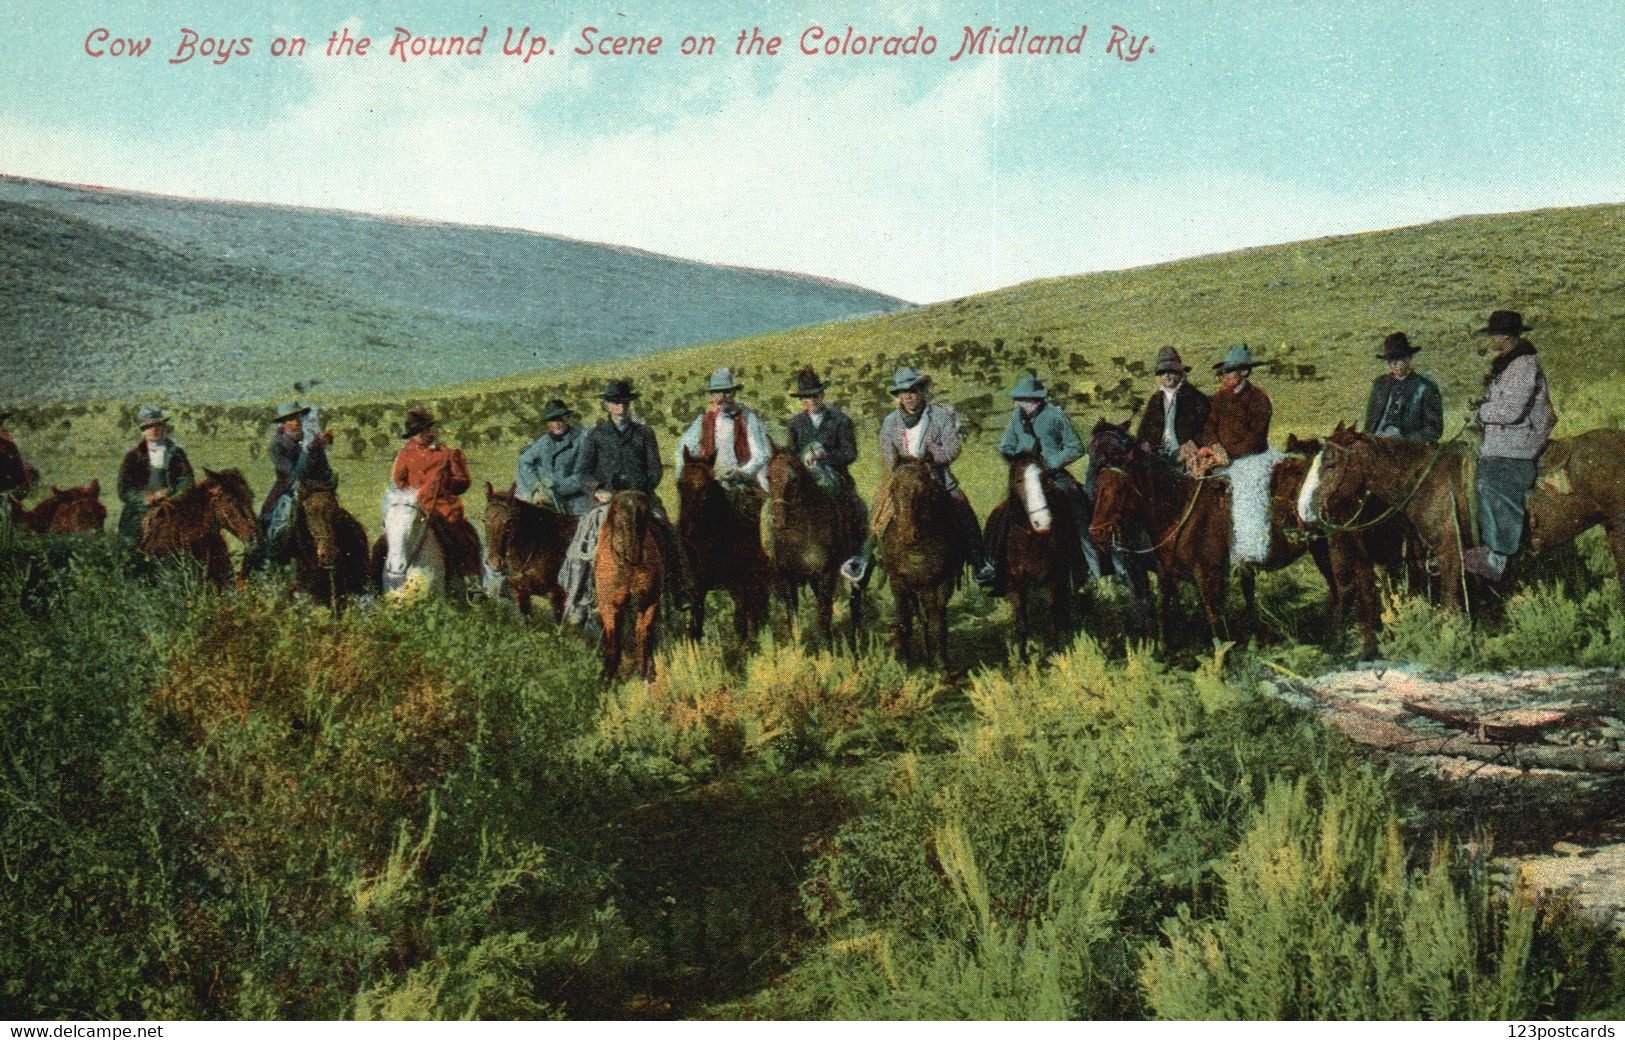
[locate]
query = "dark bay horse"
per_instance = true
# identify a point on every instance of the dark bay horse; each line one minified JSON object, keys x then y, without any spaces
{"x":76,"y":510}
{"x":527,"y":542}
{"x":920,"y":551}
{"x":16,"y":476}
{"x":812,"y":529}
{"x":1581,"y":485}
{"x":629,"y":569}
{"x":190,"y":523}
{"x":721,"y":534}
{"x":1041,"y":551}
{"x":327,"y":545}
{"x":1188,"y":522}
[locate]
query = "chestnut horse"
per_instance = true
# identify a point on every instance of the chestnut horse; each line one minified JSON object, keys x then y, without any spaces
{"x":721,"y":535}
{"x":327,"y":545}
{"x":919,"y":549}
{"x":527,"y":542}
{"x":812,"y":529}
{"x":16,"y":476}
{"x":76,"y":510}
{"x":1581,"y":485}
{"x":1188,"y":522}
{"x":190,"y":523}
{"x":1040,"y":547}
{"x":629,"y":569}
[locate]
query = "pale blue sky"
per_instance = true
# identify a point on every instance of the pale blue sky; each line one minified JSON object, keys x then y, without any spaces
{"x":1251,"y":123}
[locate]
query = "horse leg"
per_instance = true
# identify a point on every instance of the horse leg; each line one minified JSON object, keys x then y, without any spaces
{"x":1167,"y":604}
{"x":1060,"y":594}
{"x":1615,"y":532}
{"x":1248,"y":573}
{"x":854,"y":603}
{"x":696,"y":614}
{"x":903,"y":623}
{"x":612,"y":642}
{"x":645,"y":634}
{"x":939,"y":621}
{"x":521,"y":593}
{"x":1211,"y":582}
{"x":1018,"y":610}
{"x":824,"y":593}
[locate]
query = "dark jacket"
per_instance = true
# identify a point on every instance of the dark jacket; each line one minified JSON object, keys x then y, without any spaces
{"x":834,"y":433}
{"x":1239,"y":421}
{"x":136,"y":478}
{"x":619,"y":459}
{"x":1190,"y":417}
{"x":285,"y":452}
{"x":1417,"y":407}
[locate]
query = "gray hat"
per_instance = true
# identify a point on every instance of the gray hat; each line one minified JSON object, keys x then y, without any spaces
{"x":1168,"y":360}
{"x":908,"y":378}
{"x":555,"y":409}
{"x":291,"y":410}
{"x":1029,"y":388}
{"x":721,"y":380}
{"x":150,"y":415}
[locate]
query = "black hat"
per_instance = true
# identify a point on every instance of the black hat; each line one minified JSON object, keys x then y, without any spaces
{"x":808,"y":384}
{"x":1396,"y":346}
{"x":291,"y":410}
{"x":1505,"y":323}
{"x":618,"y":390}
{"x":417,"y":420}
{"x":555,"y":409}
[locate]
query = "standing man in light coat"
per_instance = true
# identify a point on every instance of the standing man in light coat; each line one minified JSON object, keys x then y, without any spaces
{"x":1517,"y":418}
{"x":930,"y":431}
{"x":547,"y":466}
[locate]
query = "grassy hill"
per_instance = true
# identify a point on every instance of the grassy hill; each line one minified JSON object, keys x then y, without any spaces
{"x":108,"y":294}
{"x":1315,"y":312}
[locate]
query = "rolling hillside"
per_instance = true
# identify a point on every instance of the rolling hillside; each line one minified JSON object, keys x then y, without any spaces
{"x":108,"y":293}
{"x":1315,"y":312}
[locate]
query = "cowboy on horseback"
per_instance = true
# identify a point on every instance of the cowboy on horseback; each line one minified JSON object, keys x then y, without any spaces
{"x":439,"y":475}
{"x":1042,"y":430}
{"x":728,"y":435}
{"x":547,"y":466}
{"x":22,"y":476}
{"x":1404,"y":403}
{"x":153,"y":470}
{"x":1176,"y":413}
{"x":1516,"y":418}
{"x":926,"y":430}
{"x":822,"y":436}
{"x":619,"y":453}
{"x":1237,"y":436}
{"x":295,"y":459}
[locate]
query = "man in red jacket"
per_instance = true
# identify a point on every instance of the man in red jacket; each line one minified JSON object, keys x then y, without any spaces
{"x":440,"y":476}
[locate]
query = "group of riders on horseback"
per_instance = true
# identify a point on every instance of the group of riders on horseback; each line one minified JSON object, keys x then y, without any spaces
{"x":577,"y":472}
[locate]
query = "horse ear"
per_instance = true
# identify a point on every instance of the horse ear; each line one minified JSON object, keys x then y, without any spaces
{"x":55,"y":490}
{"x":96,"y":486}
{"x":490,"y":492}
{"x":209,"y":474}
{"x":687,"y":458}
{"x":513,"y":489}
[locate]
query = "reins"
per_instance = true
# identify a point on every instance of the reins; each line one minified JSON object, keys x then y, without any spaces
{"x":1351,"y":526}
{"x":1173,"y":532}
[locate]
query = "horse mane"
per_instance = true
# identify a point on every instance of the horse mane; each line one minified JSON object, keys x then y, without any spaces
{"x":628,"y":522}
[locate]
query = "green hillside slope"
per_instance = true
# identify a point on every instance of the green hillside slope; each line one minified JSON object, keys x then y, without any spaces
{"x":111,"y":293}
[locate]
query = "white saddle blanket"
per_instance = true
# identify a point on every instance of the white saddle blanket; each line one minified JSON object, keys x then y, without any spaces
{"x":1250,"y":504}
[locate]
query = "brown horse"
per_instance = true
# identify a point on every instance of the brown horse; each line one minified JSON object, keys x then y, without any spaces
{"x":1188,"y":522}
{"x":191,"y":522}
{"x":527,"y":542}
{"x":721,"y":534}
{"x":16,"y":476}
{"x":920,"y":551}
{"x":1040,"y":547}
{"x":327,"y":545}
{"x":811,"y":530}
{"x":1581,"y":484}
{"x":630,"y":572}
{"x":76,"y":510}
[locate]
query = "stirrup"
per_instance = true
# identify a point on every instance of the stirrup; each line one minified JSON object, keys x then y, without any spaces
{"x":856,"y":569}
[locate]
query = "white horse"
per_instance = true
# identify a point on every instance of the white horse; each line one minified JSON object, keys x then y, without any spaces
{"x":414,"y":563}
{"x":1033,"y":498}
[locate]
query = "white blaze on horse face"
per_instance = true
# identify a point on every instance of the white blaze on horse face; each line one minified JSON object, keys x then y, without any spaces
{"x":1032,"y":487}
{"x":1306,"y":496}
{"x":409,"y":551}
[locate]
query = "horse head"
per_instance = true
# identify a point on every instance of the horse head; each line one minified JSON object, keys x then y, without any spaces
{"x":319,"y":505}
{"x":15,"y":474}
{"x":626,"y":524}
{"x":1119,"y":498}
{"x":915,"y":493}
{"x":405,"y":525}
{"x":501,"y":518}
{"x":1337,"y":477}
{"x":231,"y":503}
{"x":1027,"y":486}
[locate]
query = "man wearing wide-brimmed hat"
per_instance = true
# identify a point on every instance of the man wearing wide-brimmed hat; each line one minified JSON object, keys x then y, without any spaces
{"x":27,"y":476}
{"x":926,"y":430}
{"x":728,"y":435}
{"x":294,"y":460}
{"x":1404,"y":403}
{"x":153,"y":470}
{"x":1237,"y":437}
{"x":1176,"y":413}
{"x":1517,"y":418}
{"x":822,"y":436}
{"x":547,"y":466}
{"x":1040,"y":428}
{"x":440,"y":476}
